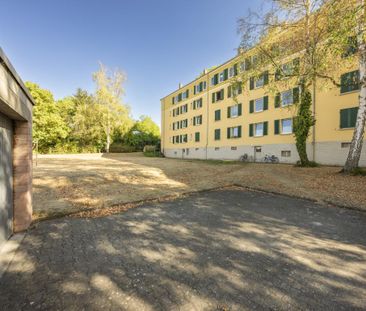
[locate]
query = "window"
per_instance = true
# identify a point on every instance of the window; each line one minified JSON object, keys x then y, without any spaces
{"x":350,"y":81}
{"x":197,"y":104}
{"x":234,"y":132}
{"x":345,"y":145}
{"x":234,"y":148}
{"x":348,"y":117}
{"x":258,"y":129}
{"x":258,"y":149}
{"x":234,"y":111}
{"x":215,"y":79}
{"x":217,"y":115}
{"x":217,"y":96}
{"x":197,"y":120}
{"x":184,"y":95}
{"x":217,"y":134}
{"x":259,"y":104}
{"x":285,"y":153}
{"x":184,"y":123}
{"x":234,"y":89}
{"x":287,"y":69}
{"x":287,"y":98}
{"x":197,"y":137}
{"x":198,"y":88}
{"x":259,"y":81}
{"x":286,"y":126}
{"x":351,"y":47}
{"x":217,"y":148}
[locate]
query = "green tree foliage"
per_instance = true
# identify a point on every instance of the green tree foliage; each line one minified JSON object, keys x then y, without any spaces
{"x":144,"y":132}
{"x":83,"y":121}
{"x":49,"y":127}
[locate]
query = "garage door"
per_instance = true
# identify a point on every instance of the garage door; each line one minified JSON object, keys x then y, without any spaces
{"x":6,"y":179}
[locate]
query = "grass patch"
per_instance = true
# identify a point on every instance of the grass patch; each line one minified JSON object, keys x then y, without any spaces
{"x":358,"y":171}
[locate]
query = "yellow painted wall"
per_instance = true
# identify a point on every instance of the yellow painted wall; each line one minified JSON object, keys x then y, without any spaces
{"x":328,"y":104}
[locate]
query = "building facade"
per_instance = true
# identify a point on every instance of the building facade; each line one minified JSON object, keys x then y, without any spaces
{"x":214,"y":118}
{"x":16,"y":106}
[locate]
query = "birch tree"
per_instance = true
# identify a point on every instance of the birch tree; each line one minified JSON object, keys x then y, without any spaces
{"x":284,"y":30}
{"x":353,"y":18}
{"x":109,"y":93}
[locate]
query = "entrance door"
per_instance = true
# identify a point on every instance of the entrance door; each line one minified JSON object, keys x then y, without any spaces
{"x":6,"y":178}
{"x":257,"y":153}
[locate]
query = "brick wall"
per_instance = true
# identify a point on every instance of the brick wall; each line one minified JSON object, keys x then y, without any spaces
{"x":22,"y":166}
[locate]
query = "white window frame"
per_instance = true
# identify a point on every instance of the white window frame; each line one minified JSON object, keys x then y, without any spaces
{"x":292,"y":98}
{"x":261,"y":78}
{"x":231,"y":72}
{"x":260,"y":134}
{"x":235,"y":109}
{"x":234,"y":132}
{"x":255,"y":104}
{"x":287,"y":132}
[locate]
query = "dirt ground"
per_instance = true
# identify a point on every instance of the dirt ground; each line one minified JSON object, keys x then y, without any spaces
{"x":68,"y":183}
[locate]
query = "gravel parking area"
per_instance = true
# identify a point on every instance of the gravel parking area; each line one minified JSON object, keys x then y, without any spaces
{"x":217,"y":250}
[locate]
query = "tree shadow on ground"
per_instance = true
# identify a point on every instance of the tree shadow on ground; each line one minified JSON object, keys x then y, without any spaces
{"x":233,"y":249}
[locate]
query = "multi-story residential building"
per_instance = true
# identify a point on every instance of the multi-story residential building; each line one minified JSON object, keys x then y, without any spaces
{"x":202,"y":120}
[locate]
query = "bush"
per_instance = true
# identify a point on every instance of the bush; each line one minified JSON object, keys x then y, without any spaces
{"x":150,"y":148}
{"x":121,"y":148}
{"x":153,"y":154}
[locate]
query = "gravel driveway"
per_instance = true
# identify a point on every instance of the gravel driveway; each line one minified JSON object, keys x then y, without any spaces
{"x":218,"y":250}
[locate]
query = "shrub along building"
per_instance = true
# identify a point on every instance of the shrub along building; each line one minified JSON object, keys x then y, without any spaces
{"x":15,"y":151}
{"x":214,"y":118}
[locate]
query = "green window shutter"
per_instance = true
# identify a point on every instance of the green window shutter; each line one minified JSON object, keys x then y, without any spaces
{"x":213,"y":97}
{"x":235,"y":69}
{"x":239,"y":110}
{"x":187,"y":93}
{"x":197,"y":136}
{"x":278,"y":75}
{"x":248,"y":64}
{"x":265,"y":103}
{"x":265,"y":128}
{"x":229,"y":91}
{"x":217,"y":134}
{"x":228,"y":112}
{"x":296,"y":65}
{"x":348,"y":117}
{"x":222,"y":94}
{"x":228,"y":132}
{"x":194,"y":90}
{"x":239,"y":131}
{"x":251,"y":83}
{"x":251,"y":129}
{"x":276,"y":127}
{"x":278,"y":100}
{"x":216,"y":78}
{"x":194,"y":104}
{"x":350,"y":81}
{"x":265,"y":77}
{"x":194,"y":120}
{"x":251,"y":106}
{"x":295,"y":95}
{"x":226,"y":75}
{"x":239,"y":88}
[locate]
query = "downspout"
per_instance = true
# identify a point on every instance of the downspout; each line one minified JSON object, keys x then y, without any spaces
{"x":208,"y":104}
{"x":314,"y":113}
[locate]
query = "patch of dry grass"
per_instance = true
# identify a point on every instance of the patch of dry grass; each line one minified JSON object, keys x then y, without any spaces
{"x":66,"y":184}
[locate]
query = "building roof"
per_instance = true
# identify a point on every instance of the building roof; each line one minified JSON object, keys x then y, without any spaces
{"x":6,"y":62}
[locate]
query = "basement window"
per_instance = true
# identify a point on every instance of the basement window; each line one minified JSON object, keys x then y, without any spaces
{"x":345,"y":145}
{"x":285,"y":153}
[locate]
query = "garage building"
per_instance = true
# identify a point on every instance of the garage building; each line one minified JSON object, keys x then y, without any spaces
{"x":15,"y":151}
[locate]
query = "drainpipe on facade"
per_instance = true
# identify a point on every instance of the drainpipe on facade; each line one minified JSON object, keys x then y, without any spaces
{"x":314,"y":98}
{"x":208,"y":104}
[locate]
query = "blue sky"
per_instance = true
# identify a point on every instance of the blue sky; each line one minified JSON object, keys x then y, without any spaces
{"x":158,"y":43}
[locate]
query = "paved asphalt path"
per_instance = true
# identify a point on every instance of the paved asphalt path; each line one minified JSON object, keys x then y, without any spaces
{"x":219,"y":250}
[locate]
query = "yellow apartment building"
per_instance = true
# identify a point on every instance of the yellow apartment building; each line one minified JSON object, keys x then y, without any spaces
{"x":204,"y":120}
